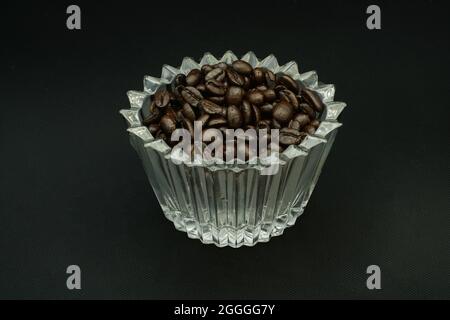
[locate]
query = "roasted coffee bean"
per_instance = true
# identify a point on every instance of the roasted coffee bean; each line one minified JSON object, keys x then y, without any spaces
{"x":256,"y":97}
{"x":217,"y":121}
{"x":302,"y":119}
{"x":266,"y":108}
{"x":276,"y":124}
{"x":150,"y":113}
{"x":216,"y":87}
{"x":288,"y":82}
{"x":194,"y":77}
{"x":154,"y":128}
{"x":221,"y":65}
{"x":315,"y":123}
{"x":247,"y":83}
{"x":261,"y":88}
{"x":168,"y":124}
{"x":206,"y":68}
{"x":216,"y":74}
{"x":289,"y":136}
{"x":309,"y":129}
{"x":270,"y":79}
{"x":234,"y":95}
{"x":305,"y":108}
{"x":203,"y":119}
{"x":211,"y":108}
{"x":259,"y":75}
{"x":257,"y":113}
{"x":283,"y":112}
{"x":187,"y":124}
{"x":242,"y":67}
{"x":220,"y":100}
{"x":290,"y":97}
{"x":191,"y":95}
{"x":269,"y":95}
{"x":247,"y":111}
{"x":180,"y":80}
{"x":313,"y":99}
{"x":188,"y":112}
{"x":234,"y":78}
{"x":234,"y":117}
{"x":294,"y":124}
{"x":263,"y":124}
{"x":162,"y":98}
{"x":201,"y":87}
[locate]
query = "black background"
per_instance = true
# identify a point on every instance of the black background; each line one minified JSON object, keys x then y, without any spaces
{"x":73,"y":191}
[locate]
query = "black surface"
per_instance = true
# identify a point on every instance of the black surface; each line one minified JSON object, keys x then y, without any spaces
{"x":72,"y":190}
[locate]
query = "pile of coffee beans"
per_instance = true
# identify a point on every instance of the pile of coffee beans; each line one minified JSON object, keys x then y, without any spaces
{"x":234,"y":96}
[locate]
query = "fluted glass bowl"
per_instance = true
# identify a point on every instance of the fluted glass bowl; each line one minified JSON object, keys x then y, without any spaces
{"x":232,"y":204}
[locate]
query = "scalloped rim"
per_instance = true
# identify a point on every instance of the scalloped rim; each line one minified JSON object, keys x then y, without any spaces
{"x":328,"y":124}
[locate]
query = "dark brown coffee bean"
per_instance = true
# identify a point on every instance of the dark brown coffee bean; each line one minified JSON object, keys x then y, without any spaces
{"x":201,"y":87}
{"x":234,"y":117}
{"x":221,"y":65}
{"x":283,"y":112}
{"x":302,"y":119}
{"x":263,"y":124}
{"x":247,"y":111}
{"x":313,"y":99}
{"x":188,"y":112}
{"x":211,"y":108}
{"x":294,"y":124}
{"x":203,"y":119}
{"x":168,"y":124}
{"x":242,"y":67}
{"x":206,"y":68}
{"x":305,"y":108}
{"x":315,"y":123}
{"x":194,"y":77}
{"x":216,"y":87}
{"x":154,"y":128}
{"x":234,"y":95}
{"x":220,"y":100}
{"x":290,"y":97}
{"x":269,"y":95}
{"x":270,"y":79}
{"x":261,"y":88}
{"x":235,"y":78}
{"x":259,"y":75}
{"x":289,"y":136}
{"x":162,"y":98}
{"x":150,"y":113}
{"x":191,"y":95}
{"x":180,"y":80}
{"x":247,"y":83}
{"x":216,"y":74}
{"x":288,"y":82}
{"x":257,"y":113}
{"x":217,"y":121}
{"x":309,"y":129}
{"x":276,"y":124}
{"x":266,"y":108}
{"x":256,"y":97}
{"x":188,"y":125}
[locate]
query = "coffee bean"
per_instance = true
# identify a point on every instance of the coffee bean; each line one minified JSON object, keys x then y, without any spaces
{"x":206,"y":68}
{"x":150,"y":113}
{"x":191,"y":95}
{"x":263,"y":124}
{"x":305,"y":108}
{"x":220,"y":100}
{"x":315,"y":123}
{"x":211,"y":108}
{"x":290,"y":97}
{"x":309,"y":129}
{"x":188,"y":112}
{"x":242,"y":67}
{"x":221,"y":65}
{"x":283,"y":112}
{"x":270,"y":79}
{"x":194,"y":77}
{"x":247,"y":111}
{"x":162,"y":98}
{"x":302,"y":119}
{"x":266,"y":108}
{"x":269,"y":95}
{"x":276,"y":124}
{"x":204,"y":119}
{"x":288,"y":82}
{"x":247,"y":83}
{"x":216,"y":121}
{"x":256,"y":97}
{"x":180,"y":80}
{"x":216,"y":74}
{"x":257,"y":113}
{"x":216,"y":87}
{"x":154,"y":128}
{"x":294,"y":124}
{"x":235,"y":78}
{"x":234,"y":117}
{"x":234,"y":95}
{"x":188,"y":125}
{"x":289,"y":136}
{"x":259,"y":75}
{"x":313,"y":99}
{"x":168,"y":124}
